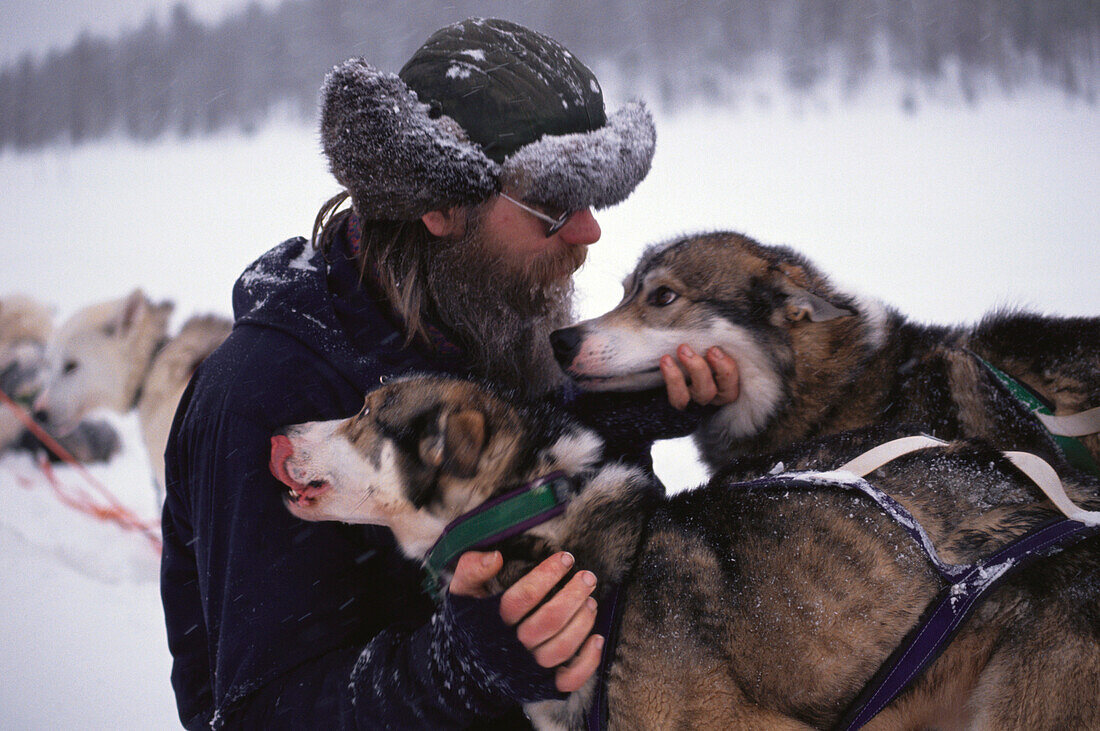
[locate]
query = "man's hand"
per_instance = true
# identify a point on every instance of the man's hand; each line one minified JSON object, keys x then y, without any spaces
{"x":710,"y":380}
{"x":559,"y":629}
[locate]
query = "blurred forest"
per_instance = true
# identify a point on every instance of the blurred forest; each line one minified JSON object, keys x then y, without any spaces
{"x":185,"y":77}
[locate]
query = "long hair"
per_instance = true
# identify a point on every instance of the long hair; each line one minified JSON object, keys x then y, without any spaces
{"x":394,"y":252}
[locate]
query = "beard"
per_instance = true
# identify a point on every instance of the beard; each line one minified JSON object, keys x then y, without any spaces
{"x":500,"y":313}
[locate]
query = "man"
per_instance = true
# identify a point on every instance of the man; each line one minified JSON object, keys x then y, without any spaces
{"x":472,"y":174}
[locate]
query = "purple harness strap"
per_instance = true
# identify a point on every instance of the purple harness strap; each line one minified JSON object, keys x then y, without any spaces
{"x":968,"y":585}
{"x":943,"y":620}
{"x":607,"y":624}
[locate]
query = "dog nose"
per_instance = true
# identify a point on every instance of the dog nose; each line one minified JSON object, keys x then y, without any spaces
{"x":565,"y":343}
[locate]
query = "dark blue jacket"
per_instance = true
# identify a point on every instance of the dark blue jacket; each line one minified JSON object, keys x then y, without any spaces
{"x":276,"y":622}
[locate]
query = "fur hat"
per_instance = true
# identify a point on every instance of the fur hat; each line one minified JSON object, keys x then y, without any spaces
{"x":532,"y":120}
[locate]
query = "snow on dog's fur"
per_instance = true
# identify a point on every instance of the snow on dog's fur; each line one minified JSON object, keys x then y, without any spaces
{"x":815,"y":360}
{"x":740,"y":608}
{"x":117,"y":355}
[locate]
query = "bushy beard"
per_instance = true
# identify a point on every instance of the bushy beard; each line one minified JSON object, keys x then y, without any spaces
{"x":500,"y":314}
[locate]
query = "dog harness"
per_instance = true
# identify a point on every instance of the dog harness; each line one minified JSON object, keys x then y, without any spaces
{"x":1064,"y":429}
{"x":967,"y":584}
{"x":502,"y":517}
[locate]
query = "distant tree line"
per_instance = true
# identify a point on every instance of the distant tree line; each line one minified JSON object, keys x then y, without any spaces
{"x":186,"y":77}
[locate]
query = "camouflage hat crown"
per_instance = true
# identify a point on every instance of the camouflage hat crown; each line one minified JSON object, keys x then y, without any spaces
{"x":482,"y":105}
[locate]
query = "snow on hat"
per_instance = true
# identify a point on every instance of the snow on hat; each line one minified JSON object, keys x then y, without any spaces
{"x":483,"y":104}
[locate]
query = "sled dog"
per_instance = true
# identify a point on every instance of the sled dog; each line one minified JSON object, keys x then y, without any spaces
{"x":117,"y":355}
{"x":814,"y":360}
{"x":25,"y":324}
{"x":740,"y":608}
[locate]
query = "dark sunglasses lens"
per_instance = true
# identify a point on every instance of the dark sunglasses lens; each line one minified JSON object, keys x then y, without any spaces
{"x":559,"y":223}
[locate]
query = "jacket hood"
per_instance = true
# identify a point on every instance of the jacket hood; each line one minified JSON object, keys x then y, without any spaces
{"x":323,"y":305}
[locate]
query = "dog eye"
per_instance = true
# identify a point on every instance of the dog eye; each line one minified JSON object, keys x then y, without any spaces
{"x":662,"y":297}
{"x":69,"y":367}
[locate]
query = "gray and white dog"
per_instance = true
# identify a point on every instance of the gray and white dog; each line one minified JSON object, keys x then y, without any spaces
{"x":814,"y":360}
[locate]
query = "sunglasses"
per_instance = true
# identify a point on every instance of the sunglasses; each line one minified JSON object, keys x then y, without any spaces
{"x":554,"y":224}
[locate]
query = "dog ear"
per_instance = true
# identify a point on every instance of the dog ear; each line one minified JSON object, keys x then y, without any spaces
{"x":133,"y":307}
{"x":464,"y":442}
{"x":453,"y":442}
{"x":431,"y":447}
{"x":801,"y":303}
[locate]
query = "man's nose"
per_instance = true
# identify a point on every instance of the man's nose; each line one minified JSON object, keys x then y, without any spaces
{"x":581,"y":230}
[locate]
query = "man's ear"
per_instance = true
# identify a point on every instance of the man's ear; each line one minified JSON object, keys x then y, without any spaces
{"x":453,"y":442}
{"x":445,"y":222}
{"x":802,"y":304}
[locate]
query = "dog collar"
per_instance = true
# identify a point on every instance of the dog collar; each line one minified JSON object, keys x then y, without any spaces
{"x":1087,"y":422}
{"x":510,"y":514}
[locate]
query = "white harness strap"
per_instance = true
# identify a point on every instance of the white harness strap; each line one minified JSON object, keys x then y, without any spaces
{"x":872,"y":459}
{"x":1036,"y":468}
{"x":1080,"y":424}
{"x":1043,"y":475}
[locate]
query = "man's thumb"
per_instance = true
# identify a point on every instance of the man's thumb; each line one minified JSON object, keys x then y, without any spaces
{"x":473,"y":570}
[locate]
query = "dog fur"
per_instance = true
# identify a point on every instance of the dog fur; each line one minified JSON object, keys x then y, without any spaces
{"x":25,"y":325}
{"x":741,"y":608}
{"x":117,"y":355}
{"x":814,"y":360}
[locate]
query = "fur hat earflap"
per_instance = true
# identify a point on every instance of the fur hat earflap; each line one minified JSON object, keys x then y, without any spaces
{"x":396,"y":157}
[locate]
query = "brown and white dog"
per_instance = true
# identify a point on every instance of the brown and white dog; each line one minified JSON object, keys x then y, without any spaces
{"x":814,"y":360}
{"x":117,"y":355}
{"x":741,"y":608}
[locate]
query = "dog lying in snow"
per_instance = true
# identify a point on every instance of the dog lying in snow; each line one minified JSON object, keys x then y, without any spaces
{"x":117,"y":355}
{"x":741,"y":608}
{"x":25,"y":325}
{"x":814,"y":360}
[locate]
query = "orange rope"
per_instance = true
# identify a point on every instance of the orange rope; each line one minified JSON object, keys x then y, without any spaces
{"x":83,"y":502}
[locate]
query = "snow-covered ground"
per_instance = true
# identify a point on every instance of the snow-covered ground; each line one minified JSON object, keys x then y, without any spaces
{"x":944,"y":214}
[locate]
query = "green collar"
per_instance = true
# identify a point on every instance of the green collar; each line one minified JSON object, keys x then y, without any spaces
{"x":502,"y":517}
{"x":1076,"y":453}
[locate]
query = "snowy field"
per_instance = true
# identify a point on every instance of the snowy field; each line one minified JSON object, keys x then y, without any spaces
{"x":944,"y":214}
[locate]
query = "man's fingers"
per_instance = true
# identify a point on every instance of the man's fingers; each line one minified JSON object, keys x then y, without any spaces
{"x":553,"y":617}
{"x":713,"y":379}
{"x":701,"y":380}
{"x":572,"y":676}
{"x":675,"y":383}
{"x":565,"y":644}
{"x":726,"y":376}
{"x":472,"y":571}
{"x":532,"y":588}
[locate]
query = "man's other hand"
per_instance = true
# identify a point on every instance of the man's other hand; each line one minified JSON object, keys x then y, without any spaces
{"x":559,"y":629}
{"x":706,"y":380}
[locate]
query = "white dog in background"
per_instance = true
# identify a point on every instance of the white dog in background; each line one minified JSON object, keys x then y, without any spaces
{"x":25,"y":325}
{"x":118,"y":355}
